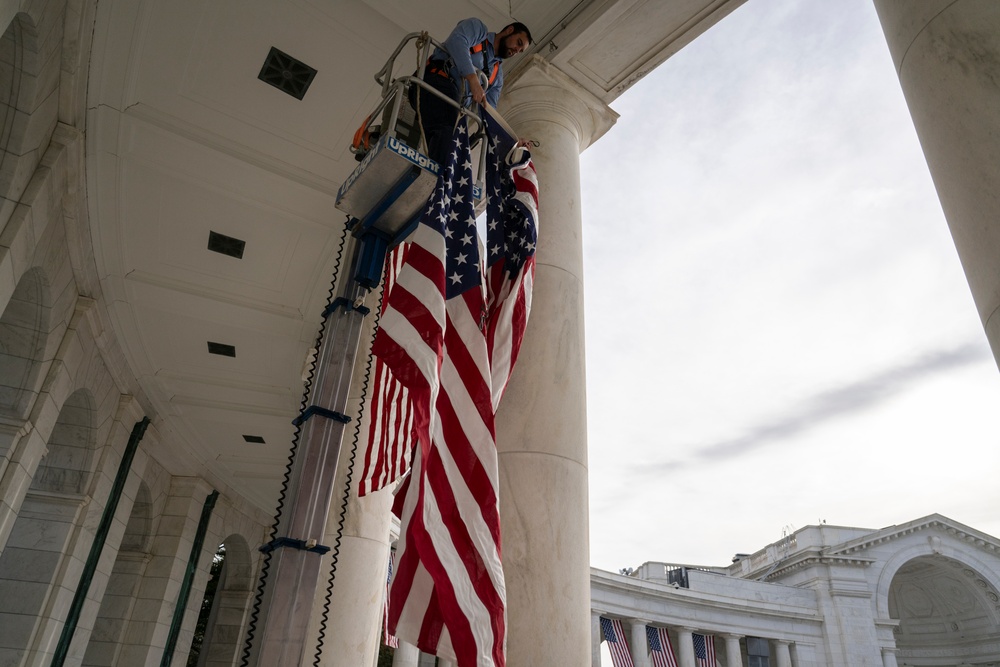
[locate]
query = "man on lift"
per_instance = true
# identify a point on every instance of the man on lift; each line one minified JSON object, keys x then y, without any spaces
{"x":469,"y":46}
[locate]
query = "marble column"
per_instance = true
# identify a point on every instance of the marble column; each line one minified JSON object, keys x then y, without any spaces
{"x":542,"y":422}
{"x":734,"y":657}
{"x":889,"y":657}
{"x":640,"y":645}
{"x":783,"y":656}
{"x":405,"y":655}
{"x":685,"y":647}
{"x":947,"y":56}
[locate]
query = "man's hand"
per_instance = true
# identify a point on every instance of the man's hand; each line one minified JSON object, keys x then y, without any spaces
{"x":476,"y":89}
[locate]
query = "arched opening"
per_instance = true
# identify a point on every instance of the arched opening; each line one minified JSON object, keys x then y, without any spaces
{"x":104,"y":647}
{"x":219,"y":630}
{"x":947,"y":612}
{"x":44,"y":524}
{"x":26,"y":122}
{"x":24,"y":327}
{"x":11,"y":69}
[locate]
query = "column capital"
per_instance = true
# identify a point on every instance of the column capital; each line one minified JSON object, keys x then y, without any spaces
{"x":540,"y":91}
{"x":731,"y":635}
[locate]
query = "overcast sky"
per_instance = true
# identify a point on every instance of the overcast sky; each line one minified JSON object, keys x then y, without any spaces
{"x":778,"y":327}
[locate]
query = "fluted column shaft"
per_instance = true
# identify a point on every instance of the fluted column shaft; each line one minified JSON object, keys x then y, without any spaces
{"x":685,"y":647}
{"x":734,"y":658}
{"x":945,"y":53}
{"x":639,"y":645}
{"x":405,"y":655}
{"x":542,"y":422}
{"x":595,"y":639}
{"x":782,"y":654}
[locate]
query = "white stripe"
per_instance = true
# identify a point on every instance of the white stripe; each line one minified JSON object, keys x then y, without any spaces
{"x":425,"y":291}
{"x":403,"y":333}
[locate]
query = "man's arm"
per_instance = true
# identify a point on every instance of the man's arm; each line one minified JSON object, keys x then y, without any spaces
{"x":466,"y":34}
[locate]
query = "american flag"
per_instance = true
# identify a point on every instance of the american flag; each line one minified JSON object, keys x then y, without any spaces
{"x":704,"y":650}
{"x":512,"y":214}
{"x":615,"y":637}
{"x":448,"y":596}
{"x":388,"y":638}
{"x":659,"y":647}
{"x":390,"y":415}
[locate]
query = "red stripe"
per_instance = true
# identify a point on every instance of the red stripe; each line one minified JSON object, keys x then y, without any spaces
{"x":424,"y":261}
{"x":524,"y":185}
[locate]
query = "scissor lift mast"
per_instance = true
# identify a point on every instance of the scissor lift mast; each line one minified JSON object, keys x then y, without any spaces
{"x":384,"y":198}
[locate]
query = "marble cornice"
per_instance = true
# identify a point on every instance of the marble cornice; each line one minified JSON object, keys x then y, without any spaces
{"x":817,"y":558}
{"x":934,"y":521}
{"x":681,"y":599}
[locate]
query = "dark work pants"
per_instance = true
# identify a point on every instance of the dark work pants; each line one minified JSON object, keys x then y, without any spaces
{"x":438,"y":117}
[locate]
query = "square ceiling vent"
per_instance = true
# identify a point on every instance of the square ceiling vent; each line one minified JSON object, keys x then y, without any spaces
{"x":286,"y":73}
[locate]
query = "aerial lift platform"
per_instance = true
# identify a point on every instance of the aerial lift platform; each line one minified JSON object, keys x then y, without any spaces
{"x":384,"y":198}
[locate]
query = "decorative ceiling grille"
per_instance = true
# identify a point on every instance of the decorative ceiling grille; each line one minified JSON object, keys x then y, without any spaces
{"x":221,"y":349}
{"x":226,"y":245}
{"x":286,"y":73}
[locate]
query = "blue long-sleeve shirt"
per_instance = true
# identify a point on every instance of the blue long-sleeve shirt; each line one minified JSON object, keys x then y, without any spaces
{"x":467,"y":34}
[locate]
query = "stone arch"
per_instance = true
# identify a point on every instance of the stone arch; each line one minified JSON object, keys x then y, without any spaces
{"x":44,"y":527}
{"x":227,"y":606}
{"x":24,"y":329}
{"x":927,"y":544}
{"x":26,"y":122}
{"x":104,"y":646}
{"x":947,"y":613}
{"x":66,"y":466}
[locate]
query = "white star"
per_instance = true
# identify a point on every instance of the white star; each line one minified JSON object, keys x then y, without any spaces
{"x":471,"y":220}
{"x":448,"y":233}
{"x":462,"y":182}
{"x":452,"y":216}
{"x":455,"y":278}
{"x":531,"y":247}
{"x":459,"y":199}
{"x":461,"y":258}
{"x":461,"y":129}
{"x":494,"y":250}
{"x":466,"y":240}
{"x":467,"y":165}
{"x":493,"y":224}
